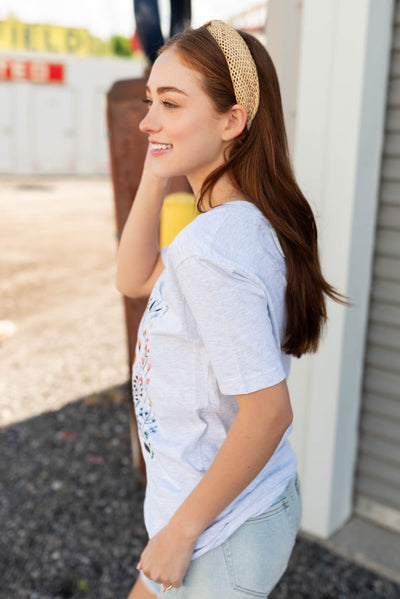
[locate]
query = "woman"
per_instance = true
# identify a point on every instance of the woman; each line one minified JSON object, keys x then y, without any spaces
{"x":236,"y":293}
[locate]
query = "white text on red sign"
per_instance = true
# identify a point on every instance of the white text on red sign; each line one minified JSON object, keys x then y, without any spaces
{"x":26,"y":70}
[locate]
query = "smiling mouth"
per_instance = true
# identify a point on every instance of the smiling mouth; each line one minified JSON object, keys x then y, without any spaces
{"x":157,"y":147}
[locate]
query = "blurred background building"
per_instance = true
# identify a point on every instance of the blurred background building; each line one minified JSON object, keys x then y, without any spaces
{"x":53,"y":85}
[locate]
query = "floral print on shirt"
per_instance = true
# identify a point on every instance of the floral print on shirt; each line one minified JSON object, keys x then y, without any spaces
{"x":141,"y":370}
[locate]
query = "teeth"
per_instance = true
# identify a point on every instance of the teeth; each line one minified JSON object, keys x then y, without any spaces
{"x":161,"y":146}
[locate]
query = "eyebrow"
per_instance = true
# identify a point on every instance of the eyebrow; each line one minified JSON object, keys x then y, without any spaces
{"x":164,"y":89}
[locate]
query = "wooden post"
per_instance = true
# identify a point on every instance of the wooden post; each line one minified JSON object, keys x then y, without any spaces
{"x":128,"y":146}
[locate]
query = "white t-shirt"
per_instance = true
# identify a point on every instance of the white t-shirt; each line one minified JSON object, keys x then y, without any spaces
{"x":212,"y":329}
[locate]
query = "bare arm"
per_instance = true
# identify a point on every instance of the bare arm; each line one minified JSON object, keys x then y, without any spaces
{"x":253,"y":437}
{"x":138,"y":259}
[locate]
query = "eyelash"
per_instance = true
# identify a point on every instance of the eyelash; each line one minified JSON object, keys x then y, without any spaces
{"x":165,"y":103}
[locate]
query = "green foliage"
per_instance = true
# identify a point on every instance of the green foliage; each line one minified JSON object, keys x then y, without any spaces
{"x":120,"y":45}
{"x":99,"y":47}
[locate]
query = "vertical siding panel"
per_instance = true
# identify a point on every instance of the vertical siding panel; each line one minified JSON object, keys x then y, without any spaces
{"x":377,"y":482}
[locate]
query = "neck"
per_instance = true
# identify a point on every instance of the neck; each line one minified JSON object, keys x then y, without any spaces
{"x":223,"y":191}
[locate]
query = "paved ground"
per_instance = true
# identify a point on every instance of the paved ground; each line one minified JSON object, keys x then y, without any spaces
{"x":57,"y":265}
{"x":70,"y":503}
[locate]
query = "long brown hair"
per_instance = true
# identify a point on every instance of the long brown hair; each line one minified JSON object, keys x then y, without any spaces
{"x":258,"y":164}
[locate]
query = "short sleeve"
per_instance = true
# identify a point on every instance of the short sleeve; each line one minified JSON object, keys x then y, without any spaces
{"x":232,"y":314}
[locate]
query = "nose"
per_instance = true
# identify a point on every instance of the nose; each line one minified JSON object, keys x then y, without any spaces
{"x":150,"y":123}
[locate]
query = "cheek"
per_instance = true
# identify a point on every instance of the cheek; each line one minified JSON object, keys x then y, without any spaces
{"x":182,"y":129}
{"x":197,"y":135}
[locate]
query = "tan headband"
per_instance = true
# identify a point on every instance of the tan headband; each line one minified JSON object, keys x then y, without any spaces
{"x":242,"y":67}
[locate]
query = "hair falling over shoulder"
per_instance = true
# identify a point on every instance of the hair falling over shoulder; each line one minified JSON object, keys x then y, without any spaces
{"x":258,"y":164}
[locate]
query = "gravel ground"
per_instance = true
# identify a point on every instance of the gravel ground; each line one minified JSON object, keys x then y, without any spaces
{"x":71,"y":514}
{"x":70,"y":502}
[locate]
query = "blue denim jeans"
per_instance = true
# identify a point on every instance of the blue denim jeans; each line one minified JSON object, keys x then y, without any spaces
{"x":251,"y":562}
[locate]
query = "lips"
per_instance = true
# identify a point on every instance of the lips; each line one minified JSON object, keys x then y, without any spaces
{"x":157,"y":147}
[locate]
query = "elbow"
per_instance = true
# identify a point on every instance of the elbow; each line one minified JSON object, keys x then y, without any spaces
{"x":283,"y":415}
{"x":288,"y":415}
{"x":282,"y":407}
{"x":128,"y":290}
{"x":281,"y":421}
{"x":119,"y":285}
{"x":287,"y":419}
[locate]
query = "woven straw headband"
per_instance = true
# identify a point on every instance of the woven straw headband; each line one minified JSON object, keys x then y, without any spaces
{"x":241,"y":65}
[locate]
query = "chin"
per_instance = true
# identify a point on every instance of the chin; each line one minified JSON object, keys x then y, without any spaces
{"x":166,"y":173}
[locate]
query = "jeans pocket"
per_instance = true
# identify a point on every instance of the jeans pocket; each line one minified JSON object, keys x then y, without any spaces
{"x":274,"y":510}
{"x":257,"y":554}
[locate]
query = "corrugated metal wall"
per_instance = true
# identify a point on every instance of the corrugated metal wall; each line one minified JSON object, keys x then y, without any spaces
{"x":377,"y":486}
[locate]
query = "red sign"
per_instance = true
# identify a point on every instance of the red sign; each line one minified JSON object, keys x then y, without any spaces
{"x":36,"y":72}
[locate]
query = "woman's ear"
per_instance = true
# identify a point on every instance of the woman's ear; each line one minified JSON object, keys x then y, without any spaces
{"x":235,"y":122}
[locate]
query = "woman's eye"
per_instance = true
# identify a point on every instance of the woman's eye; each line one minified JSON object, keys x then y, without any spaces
{"x":165,"y":103}
{"x":168,"y":104}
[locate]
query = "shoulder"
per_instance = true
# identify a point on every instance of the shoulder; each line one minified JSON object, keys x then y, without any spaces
{"x":235,"y":234}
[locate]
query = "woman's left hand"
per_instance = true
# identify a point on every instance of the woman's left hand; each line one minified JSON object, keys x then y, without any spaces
{"x":166,"y":557}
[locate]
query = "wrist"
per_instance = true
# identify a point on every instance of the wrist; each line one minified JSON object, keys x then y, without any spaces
{"x":185,"y":530}
{"x":150,"y":178}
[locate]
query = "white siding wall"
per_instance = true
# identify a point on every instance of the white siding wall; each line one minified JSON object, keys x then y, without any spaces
{"x":378,"y":470}
{"x":344,"y":58}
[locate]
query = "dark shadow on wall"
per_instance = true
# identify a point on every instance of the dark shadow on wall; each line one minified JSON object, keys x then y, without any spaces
{"x":71,"y":523}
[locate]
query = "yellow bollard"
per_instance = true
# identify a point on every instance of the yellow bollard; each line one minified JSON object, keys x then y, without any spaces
{"x":179,"y":209}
